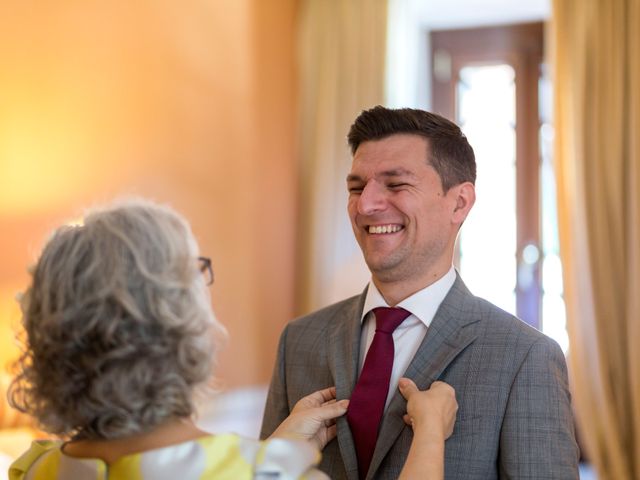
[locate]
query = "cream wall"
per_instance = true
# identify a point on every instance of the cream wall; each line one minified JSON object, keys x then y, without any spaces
{"x":190,"y":103}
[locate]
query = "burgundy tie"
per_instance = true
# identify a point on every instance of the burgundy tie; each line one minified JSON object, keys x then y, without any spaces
{"x":367,"y":401}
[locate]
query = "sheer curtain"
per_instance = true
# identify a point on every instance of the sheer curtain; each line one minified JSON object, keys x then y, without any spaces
{"x":341,"y":67}
{"x":596,"y":47}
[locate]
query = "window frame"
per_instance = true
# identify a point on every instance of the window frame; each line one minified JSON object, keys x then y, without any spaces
{"x":522,"y":47}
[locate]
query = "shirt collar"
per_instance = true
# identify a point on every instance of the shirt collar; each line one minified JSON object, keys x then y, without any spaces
{"x":423,"y":304}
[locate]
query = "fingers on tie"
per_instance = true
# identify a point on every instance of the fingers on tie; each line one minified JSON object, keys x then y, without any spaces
{"x":319,"y":397}
{"x":327,"y":394}
{"x":332,"y":410}
{"x":329,"y":422}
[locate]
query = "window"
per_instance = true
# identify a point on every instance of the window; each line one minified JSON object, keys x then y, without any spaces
{"x":492,"y":82}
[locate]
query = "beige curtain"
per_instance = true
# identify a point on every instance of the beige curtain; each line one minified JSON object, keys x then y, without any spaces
{"x":596,"y":47}
{"x":342,"y":47}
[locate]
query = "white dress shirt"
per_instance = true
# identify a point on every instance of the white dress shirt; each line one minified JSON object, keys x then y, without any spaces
{"x":409,"y":335}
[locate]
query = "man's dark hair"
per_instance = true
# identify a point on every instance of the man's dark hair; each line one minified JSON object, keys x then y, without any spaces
{"x":449,"y":151}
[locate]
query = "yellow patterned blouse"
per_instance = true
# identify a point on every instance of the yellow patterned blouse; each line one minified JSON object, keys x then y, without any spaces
{"x":220,"y":457}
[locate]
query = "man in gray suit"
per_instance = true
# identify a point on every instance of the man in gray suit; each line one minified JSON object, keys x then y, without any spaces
{"x":411,"y":187}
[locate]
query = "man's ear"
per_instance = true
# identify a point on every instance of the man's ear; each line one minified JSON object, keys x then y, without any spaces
{"x":465,"y":197}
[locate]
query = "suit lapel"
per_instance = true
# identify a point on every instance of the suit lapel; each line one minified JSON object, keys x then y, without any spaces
{"x":446,"y":337}
{"x":343,"y":354}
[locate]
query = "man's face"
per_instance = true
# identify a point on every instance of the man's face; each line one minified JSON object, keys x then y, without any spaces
{"x":401,"y":217}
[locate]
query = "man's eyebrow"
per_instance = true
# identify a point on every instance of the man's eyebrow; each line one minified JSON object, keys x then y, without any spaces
{"x":396,"y":172}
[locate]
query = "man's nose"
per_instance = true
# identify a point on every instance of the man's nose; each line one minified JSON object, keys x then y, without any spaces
{"x":372,"y":199}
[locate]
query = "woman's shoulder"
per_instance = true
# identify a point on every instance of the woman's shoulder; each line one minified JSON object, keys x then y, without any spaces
{"x":44,"y":460}
{"x":274,"y":458}
{"x":225,"y":456}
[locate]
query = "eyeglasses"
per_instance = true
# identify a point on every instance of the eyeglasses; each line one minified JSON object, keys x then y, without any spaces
{"x":205,"y":268}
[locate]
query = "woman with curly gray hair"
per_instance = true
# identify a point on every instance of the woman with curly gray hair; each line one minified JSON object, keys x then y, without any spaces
{"x":120,"y":338}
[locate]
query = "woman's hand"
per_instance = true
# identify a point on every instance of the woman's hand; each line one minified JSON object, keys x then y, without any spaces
{"x":434,"y":409}
{"x":313,"y":418}
{"x":431,"y":413}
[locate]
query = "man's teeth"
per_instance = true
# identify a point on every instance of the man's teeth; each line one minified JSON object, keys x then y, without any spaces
{"x":384,"y":228}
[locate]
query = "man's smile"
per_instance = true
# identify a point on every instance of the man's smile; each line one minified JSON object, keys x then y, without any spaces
{"x":384,"y":229}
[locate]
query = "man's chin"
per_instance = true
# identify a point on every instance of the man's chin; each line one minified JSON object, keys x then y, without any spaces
{"x":382,"y":268}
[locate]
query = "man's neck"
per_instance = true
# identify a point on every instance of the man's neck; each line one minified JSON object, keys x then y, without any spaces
{"x":395,"y":292}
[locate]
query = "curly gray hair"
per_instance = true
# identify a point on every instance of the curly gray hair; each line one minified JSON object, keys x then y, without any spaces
{"x":119,"y":329}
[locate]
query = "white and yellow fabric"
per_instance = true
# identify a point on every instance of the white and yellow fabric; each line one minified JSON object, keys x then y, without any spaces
{"x":227,"y":456}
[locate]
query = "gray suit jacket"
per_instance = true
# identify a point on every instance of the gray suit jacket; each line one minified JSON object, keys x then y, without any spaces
{"x":514,"y":418}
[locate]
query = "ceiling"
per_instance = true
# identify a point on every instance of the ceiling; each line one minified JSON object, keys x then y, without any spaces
{"x":441,"y":14}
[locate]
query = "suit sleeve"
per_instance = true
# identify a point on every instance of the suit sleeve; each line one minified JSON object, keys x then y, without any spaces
{"x":537,"y":439}
{"x":277,"y":406}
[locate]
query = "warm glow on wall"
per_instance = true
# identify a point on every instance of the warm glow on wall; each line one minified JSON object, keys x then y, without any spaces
{"x":190,"y":104}
{"x":43,"y":163}
{"x":53,"y":96}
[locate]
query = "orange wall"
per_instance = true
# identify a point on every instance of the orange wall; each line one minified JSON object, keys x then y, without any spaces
{"x":187,"y":103}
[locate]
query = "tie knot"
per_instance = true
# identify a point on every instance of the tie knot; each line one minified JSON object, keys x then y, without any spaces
{"x":388,"y":318}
